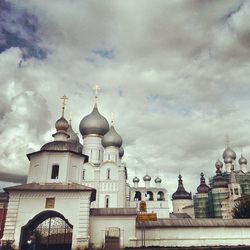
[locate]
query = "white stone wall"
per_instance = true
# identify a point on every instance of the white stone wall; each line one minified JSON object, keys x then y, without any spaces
{"x":23,"y":206}
{"x":178,"y":205}
{"x":194,"y":236}
{"x":99,"y":224}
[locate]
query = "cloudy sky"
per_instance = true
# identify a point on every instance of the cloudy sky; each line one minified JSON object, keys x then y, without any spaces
{"x":174,"y":73}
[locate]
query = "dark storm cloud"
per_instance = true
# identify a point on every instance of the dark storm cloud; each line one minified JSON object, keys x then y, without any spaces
{"x":19,"y":28}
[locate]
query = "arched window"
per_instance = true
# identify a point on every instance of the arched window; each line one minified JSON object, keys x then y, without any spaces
{"x":107,"y":201}
{"x":108,"y":174}
{"x":55,"y":172}
{"x":137,"y":196}
{"x":160,"y":196}
{"x":150,"y":196}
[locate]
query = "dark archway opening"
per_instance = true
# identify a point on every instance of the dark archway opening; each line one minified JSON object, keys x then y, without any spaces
{"x":49,"y":230}
{"x":137,"y":196}
{"x":160,"y":196}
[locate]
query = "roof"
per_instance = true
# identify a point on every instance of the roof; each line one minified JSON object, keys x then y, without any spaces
{"x":179,"y":215}
{"x":113,"y":211}
{"x":54,"y":150}
{"x":195,"y":223}
{"x":55,"y":187}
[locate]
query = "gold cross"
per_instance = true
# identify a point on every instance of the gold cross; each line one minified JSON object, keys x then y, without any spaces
{"x":96,"y":89}
{"x":64,"y":98}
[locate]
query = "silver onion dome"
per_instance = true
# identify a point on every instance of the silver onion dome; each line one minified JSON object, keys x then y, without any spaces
{"x":228,"y":160}
{"x":94,"y":123}
{"x":112,"y":138}
{"x":121,"y":152}
{"x":136,"y":179}
{"x":72,"y":135}
{"x":242,"y":160}
{"x":229,"y":153}
{"x":218,"y":164}
{"x":157,"y":180}
{"x":61,"y":124}
{"x":147,"y":178}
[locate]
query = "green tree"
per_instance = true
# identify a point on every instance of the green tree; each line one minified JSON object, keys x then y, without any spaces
{"x":242,"y":208}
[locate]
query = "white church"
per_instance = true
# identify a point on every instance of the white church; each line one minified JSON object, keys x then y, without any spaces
{"x":77,"y":196}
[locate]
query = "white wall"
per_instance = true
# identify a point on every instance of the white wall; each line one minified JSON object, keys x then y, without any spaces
{"x":23,"y":206}
{"x":98,"y":225}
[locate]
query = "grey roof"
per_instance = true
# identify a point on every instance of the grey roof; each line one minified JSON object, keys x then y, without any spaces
{"x":186,"y":222}
{"x":112,"y":138}
{"x":242,"y":160}
{"x":94,"y":123}
{"x":73,"y":138}
{"x":55,"y":187}
{"x":147,"y":177}
{"x":61,"y":124}
{"x":229,"y":153}
{"x":181,"y":192}
{"x":113,"y":211}
{"x":4,"y":196}
{"x":179,"y":215}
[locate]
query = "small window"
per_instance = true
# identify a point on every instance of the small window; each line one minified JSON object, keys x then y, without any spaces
{"x":108,"y":174}
{"x":236,"y":191}
{"x":107,"y":201}
{"x":99,"y":155}
{"x":50,"y":203}
{"x":55,"y":172}
{"x":109,"y":157}
{"x":83,"y":174}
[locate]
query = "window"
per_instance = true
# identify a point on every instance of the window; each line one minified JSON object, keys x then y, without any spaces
{"x":107,"y":201}
{"x":99,"y":155}
{"x":160,"y":196}
{"x":137,"y":196}
{"x":149,"y":196}
{"x":50,"y":203}
{"x":55,"y":172}
{"x":108,"y":156}
{"x":236,"y":191}
{"x":83,"y":174}
{"x":108,"y":174}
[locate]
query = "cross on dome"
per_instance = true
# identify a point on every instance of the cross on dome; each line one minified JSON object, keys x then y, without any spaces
{"x":96,"y":89}
{"x":64,"y":99}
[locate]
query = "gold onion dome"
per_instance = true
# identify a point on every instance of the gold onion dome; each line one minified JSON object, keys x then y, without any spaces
{"x":94,"y":123}
{"x":112,"y":138}
{"x":61,"y":124}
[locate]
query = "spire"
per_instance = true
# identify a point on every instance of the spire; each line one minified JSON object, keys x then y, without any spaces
{"x":203,"y":187}
{"x":96,"y":89}
{"x":64,"y":99}
{"x":181,"y":193}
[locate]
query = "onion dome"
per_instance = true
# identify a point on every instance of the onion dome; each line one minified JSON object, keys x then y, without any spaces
{"x":136,"y":179}
{"x":181,"y":193}
{"x":94,"y":123}
{"x":242,"y":160}
{"x":121,"y":152}
{"x":147,"y":178}
{"x":112,"y":138}
{"x":61,"y":124}
{"x":229,"y":153}
{"x":203,"y":187}
{"x":157,"y":180}
{"x":218,"y":164}
{"x":73,"y":137}
{"x":228,"y":160}
{"x":219,"y":180}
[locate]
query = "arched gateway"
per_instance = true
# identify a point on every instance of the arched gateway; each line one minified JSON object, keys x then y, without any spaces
{"x":48,"y":230}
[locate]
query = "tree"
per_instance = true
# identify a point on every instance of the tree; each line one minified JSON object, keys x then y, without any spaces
{"x":242,"y":208}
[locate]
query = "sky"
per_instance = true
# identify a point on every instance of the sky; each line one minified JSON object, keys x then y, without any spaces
{"x":174,"y":73}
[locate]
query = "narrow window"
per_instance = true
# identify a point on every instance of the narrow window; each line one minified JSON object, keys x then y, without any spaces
{"x":83,"y":174}
{"x":55,"y":172}
{"x":107,"y":201}
{"x":108,"y":156}
{"x":236,"y":191}
{"x":99,"y":155}
{"x":108,"y":174}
